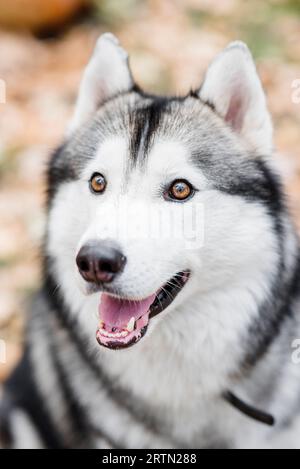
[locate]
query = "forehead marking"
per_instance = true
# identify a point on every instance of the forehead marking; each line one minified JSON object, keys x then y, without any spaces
{"x":144,"y":122}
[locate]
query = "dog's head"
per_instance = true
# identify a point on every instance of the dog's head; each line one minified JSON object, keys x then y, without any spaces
{"x":156,"y":201}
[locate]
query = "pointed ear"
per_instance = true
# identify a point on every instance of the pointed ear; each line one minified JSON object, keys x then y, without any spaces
{"x":106,"y":74}
{"x":233,"y":87}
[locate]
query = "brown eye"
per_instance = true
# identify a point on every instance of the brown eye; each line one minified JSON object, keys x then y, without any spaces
{"x":97,"y":183}
{"x":180,"y":190}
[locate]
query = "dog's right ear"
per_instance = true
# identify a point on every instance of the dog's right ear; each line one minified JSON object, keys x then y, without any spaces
{"x":106,"y":75}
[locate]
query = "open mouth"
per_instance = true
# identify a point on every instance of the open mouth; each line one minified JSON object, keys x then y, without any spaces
{"x":123,"y":322}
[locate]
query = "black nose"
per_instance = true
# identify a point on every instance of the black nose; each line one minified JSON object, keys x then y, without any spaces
{"x":100,"y":262}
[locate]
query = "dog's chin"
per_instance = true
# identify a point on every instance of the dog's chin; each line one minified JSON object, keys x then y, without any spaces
{"x":124,"y":321}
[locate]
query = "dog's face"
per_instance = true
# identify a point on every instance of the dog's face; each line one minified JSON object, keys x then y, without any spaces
{"x":154,"y":201}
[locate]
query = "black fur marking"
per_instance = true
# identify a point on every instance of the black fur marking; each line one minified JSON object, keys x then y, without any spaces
{"x":68,"y":160}
{"x":59,"y":171}
{"x":144,"y":122}
{"x":136,"y":89}
{"x":22,"y":393}
{"x":266,"y":329}
{"x":278,"y":306}
{"x":6,"y":408}
{"x":210,"y":104}
{"x":75,"y":414}
{"x":267,"y":189}
{"x":81,"y":427}
{"x":147,"y":120}
{"x":194,"y":94}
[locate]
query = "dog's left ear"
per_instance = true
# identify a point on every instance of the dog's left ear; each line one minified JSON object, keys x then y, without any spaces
{"x":233,"y":87}
{"x":106,"y":75}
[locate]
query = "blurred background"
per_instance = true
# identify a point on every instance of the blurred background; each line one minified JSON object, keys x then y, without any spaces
{"x":44,"y":45}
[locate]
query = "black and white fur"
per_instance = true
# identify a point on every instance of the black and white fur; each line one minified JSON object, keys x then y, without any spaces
{"x":230,"y":328}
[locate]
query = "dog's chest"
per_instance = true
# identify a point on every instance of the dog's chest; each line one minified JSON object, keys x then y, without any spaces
{"x":177,"y":396}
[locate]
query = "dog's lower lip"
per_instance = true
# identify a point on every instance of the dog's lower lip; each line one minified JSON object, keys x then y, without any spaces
{"x":165,"y":297}
{"x":131,"y":335}
{"x":117,"y":345}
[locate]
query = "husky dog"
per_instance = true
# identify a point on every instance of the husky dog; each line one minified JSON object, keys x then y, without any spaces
{"x":145,"y":341}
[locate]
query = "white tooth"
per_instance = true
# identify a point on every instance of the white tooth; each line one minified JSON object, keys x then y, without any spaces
{"x":101,"y":325}
{"x":130,"y":325}
{"x":124,"y":333}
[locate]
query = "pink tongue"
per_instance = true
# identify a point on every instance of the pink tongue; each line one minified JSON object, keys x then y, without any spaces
{"x":115,"y":312}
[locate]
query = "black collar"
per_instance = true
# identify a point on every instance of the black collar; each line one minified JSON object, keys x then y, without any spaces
{"x":248,"y":410}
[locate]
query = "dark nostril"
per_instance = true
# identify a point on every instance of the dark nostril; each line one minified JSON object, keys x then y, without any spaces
{"x":106,"y":267}
{"x":83,"y":265}
{"x":113,"y":265}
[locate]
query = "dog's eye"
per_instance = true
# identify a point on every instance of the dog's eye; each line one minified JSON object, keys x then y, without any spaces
{"x":180,"y":190}
{"x":97,"y":183}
